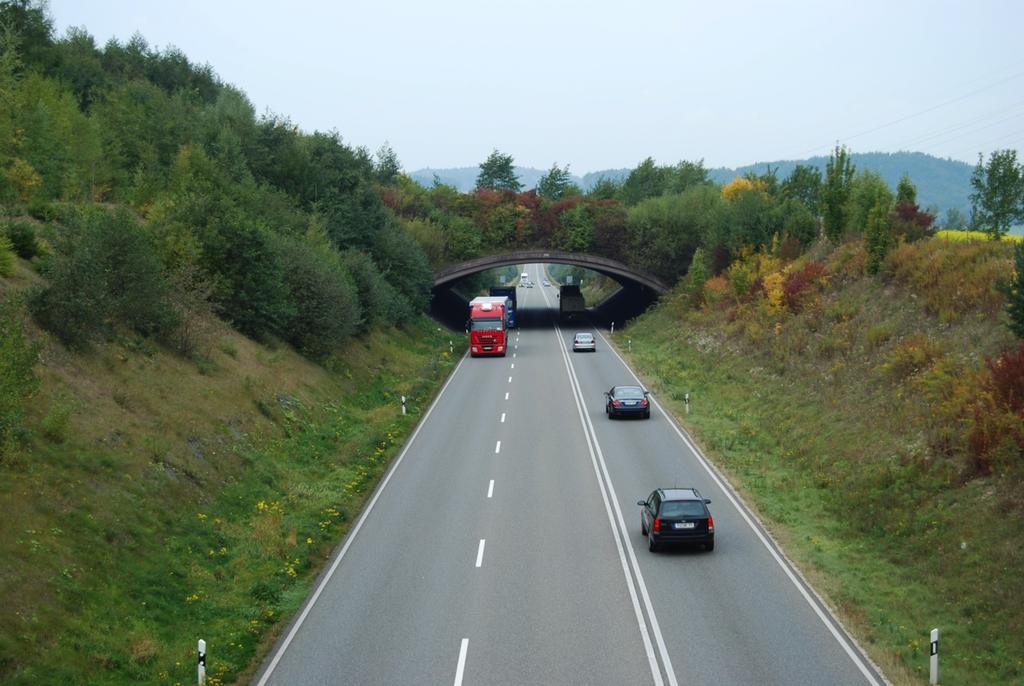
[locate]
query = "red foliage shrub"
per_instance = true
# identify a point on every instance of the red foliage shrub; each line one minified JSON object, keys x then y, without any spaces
{"x":911,"y":223}
{"x":1008,"y":380}
{"x":800,"y":283}
{"x":999,"y":410}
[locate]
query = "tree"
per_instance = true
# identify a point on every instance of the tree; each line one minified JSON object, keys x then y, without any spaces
{"x":955,"y":219}
{"x":998,"y":198}
{"x":836,"y":192}
{"x":387,"y":167}
{"x":878,"y":238}
{"x":648,"y":180}
{"x":604,"y":189}
{"x":1013,"y":289}
{"x":908,"y":222}
{"x":497,"y":173}
{"x":906,"y":192}
{"x":555,"y":183}
{"x":867,"y":190}
{"x":686,"y":175}
{"x":804,"y":185}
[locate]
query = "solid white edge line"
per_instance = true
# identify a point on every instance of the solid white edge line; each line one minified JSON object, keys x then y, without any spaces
{"x":480,"y":552}
{"x":355,"y":530}
{"x":802,"y":585}
{"x":490,"y":489}
{"x":460,"y":668}
{"x":624,"y":530}
{"x":616,"y":536}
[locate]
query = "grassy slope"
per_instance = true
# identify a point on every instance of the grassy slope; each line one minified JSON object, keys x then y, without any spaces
{"x":834,"y":451}
{"x":157,"y":503}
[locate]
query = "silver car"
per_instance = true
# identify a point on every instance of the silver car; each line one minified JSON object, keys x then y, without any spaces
{"x":584,"y":342}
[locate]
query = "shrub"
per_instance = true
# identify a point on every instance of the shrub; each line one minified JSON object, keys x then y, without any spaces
{"x":952,"y":278}
{"x":106,"y":271}
{"x":913,"y":354}
{"x":323,"y":295}
{"x":801,"y":283}
{"x":18,"y":381}
{"x":379,"y":301}
{"x":6,"y":257}
{"x":23,"y":237}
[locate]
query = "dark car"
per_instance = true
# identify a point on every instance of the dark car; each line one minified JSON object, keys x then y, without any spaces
{"x":584,"y":341}
{"x":676,"y":516}
{"x":627,"y":400}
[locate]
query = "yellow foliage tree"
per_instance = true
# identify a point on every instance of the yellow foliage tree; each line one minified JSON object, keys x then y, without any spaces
{"x":773,"y":291}
{"x":22,"y":180}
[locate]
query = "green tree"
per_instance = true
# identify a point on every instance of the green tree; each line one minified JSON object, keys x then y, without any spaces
{"x":835,"y":192}
{"x":955,"y":219}
{"x":387,"y":167}
{"x":576,"y":233}
{"x":798,"y":223}
{"x":997,"y":202}
{"x":648,"y":180}
{"x":867,"y":190}
{"x":555,"y":183}
{"x":686,"y":175}
{"x":497,"y":173}
{"x":604,"y":189}
{"x":1013,"y":289}
{"x":804,"y":185}
{"x":878,"y":238}
{"x":906,"y":192}
{"x":697,"y":274}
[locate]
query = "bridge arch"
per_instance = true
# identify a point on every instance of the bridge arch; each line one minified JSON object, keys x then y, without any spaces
{"x":623,"y":274}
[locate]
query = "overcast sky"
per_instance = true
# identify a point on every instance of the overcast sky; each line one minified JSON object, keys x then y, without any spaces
{"x":599,"y":85}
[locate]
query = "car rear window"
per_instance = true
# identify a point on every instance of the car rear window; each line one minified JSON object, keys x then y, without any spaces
{"x":585,"y":337}
{"x":629,"y":392}
{"x":682,"y":508}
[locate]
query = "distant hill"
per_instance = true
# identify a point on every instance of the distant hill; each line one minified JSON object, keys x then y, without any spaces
{"x":941,"y":183}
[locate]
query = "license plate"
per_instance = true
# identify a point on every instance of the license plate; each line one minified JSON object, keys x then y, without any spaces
{"x":684,"y":525}
{"x":631,"y":403}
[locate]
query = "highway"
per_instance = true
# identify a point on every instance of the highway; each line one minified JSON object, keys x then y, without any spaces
{"x":504,"y":547}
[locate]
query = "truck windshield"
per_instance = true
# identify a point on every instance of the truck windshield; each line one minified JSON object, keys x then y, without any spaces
{"x":486,"y":325}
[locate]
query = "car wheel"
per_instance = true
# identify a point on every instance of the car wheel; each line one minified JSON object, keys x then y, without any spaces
{"x":651,"y":545}
{"x":647,"y":414}
{"x":709,"y":546}
{"x":643,"y":527}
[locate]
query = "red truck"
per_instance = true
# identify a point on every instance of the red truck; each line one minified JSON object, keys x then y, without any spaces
{"x":487,"y":328}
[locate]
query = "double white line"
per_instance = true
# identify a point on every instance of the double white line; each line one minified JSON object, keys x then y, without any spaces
{"x":630,"y":566}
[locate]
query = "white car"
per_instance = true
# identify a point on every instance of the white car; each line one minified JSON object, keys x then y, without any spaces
{"x":546,"y":282}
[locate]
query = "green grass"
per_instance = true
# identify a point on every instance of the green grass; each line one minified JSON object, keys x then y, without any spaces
{"x":178,"y":505}
{"x":837,"y":456}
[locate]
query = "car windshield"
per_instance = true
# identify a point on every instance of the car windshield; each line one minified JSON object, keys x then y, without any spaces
{"x":629,"y":392}
{"x":682,"y":508}
{"x":486,"y":324}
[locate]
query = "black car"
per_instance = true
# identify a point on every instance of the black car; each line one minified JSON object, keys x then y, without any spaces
{"x":627,"y":400}
{"x":676,"y":515}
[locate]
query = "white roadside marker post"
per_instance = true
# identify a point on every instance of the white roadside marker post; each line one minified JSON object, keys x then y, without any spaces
{"x":630,"y":340}
{"x":686,"y":400}
{"x":613,"y":328}
{"x":451,"y":346}
{"x":933,"y":676}
{"x":403,"y":405}
{"x":201,"y":665}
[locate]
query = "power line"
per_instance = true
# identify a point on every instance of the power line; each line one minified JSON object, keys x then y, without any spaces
{"x":919,"y":113}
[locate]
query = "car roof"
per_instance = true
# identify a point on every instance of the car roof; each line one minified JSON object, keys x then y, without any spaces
{"x":680,"y":494}
{"x":581,"y":333}
{"x":624,"y":386}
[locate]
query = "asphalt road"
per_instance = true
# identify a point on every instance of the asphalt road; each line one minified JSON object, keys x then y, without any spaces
{"x":504,"y":547}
